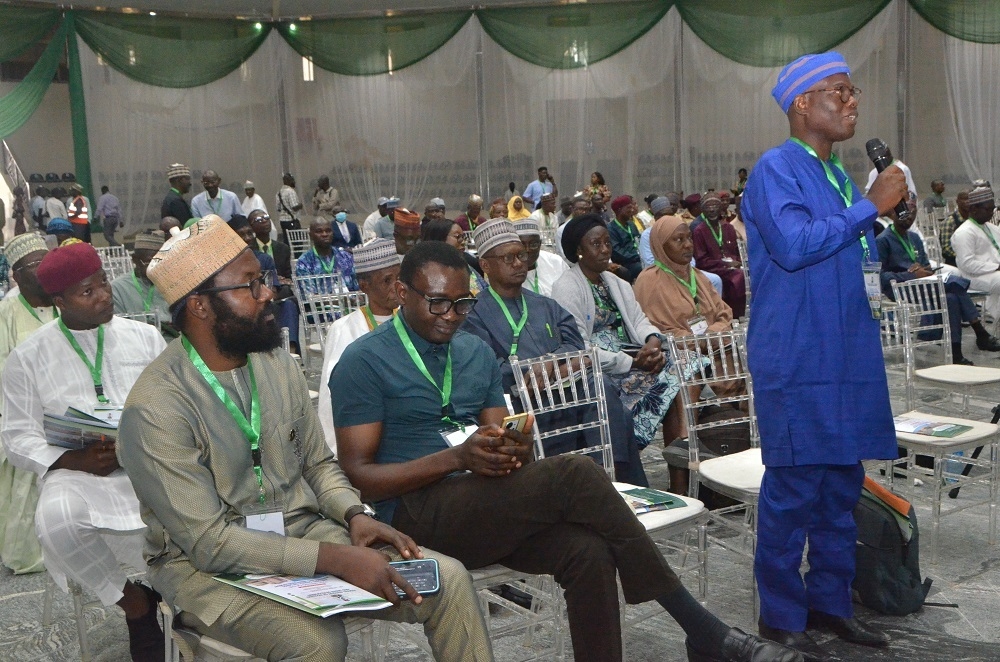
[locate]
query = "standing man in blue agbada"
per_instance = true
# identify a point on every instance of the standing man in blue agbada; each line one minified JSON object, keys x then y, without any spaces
{"x":822,"y":399}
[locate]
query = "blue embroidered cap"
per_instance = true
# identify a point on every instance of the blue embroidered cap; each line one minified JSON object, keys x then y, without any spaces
{"x":803,"y":73}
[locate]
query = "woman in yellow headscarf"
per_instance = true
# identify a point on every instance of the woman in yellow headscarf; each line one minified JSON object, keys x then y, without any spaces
{"x":516,"y":210}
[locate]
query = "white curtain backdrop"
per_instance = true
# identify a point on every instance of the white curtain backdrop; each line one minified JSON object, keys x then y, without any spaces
{"x":137,"y":130}
{"x":666,"y":113}
{"x":972,"y":71}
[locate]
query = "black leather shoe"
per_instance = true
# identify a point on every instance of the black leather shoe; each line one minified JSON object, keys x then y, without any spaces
{"x":988,"y":344}
{"x":800,"y":641}
{"x":848,"y":629}
{"x":963,"y":361}
{"x":739,"y":646}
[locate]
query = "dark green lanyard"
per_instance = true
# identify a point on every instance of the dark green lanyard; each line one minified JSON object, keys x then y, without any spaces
{"x":333,"y":259}
{"x":27,"y":306}
{"x":619,"y":323}
{"x":251,"y":428}
{"x":535,"y":286}
{"x":906,"y":244}
{"x":147,"y":297}
{"x":517,"y":327}
{"x":988,"y":234}
{"x":628,"y":232}
{"x":843,"y":188}
{"x":445,"y":388}
{"x":691,"y":284}
{"x":95,"y":368}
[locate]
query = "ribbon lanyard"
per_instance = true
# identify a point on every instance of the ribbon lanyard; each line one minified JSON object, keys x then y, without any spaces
{"x":691,"y":284}
{"x":907,"y":246}
{"x":369,"y":317}
{"x":517,"y":327}
{"x":147,"y":298}
{"x":718,"y":237}
{"x":445,"y":388}
{"x":251,"y":428}
{"x":96,"y":367}
{"x":843,"y":188}
{"x":628,"y":232}
{"x":986,"y":231}
{"x":535,"y":286}
{"x":322,"y":265}
{"x":27,"y":306}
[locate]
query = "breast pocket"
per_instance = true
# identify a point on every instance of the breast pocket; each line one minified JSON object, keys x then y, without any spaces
{"x":283,"y":444}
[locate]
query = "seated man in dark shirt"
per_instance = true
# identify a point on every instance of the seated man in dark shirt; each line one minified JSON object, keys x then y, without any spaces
{"x":398,"y":390}
{"x":902,"y":254}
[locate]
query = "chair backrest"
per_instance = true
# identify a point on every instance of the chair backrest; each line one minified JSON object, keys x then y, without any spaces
{"x":298,"y":242}
{"x":306,"y":286}
{"x":152,"y":317}
{"x":741,"y":244}
{"x":321,"y":309}
{"x":719,"y":359}
{"x":894,"y":329}
{"x":111,"y":251}
{"x":117,"y":266}
{"x":469,"y":243}
{"x":927,"y":304}
{"x":549,"y":239}
{"x":578,"y":386}
{"x":932,"y":244}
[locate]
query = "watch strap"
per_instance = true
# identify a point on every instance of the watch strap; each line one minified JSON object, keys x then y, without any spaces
{"x":360,"y":509}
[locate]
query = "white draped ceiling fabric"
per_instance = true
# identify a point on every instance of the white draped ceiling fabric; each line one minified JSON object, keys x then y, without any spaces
{"x":666,"y":113}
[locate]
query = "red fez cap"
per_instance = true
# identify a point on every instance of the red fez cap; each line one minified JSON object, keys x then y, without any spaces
{"x":406,"y":219}
{"x":620,"y":202}
{"x":66,"y":266}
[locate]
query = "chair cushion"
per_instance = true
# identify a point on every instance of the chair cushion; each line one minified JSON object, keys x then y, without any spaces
{"x":742,"y":470}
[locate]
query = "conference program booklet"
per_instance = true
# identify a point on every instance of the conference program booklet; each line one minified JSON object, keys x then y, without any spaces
{"x":929,"y":428}
{"x":322,"y":595}
{"x":646,"y":500}
{"x":77,"y":429}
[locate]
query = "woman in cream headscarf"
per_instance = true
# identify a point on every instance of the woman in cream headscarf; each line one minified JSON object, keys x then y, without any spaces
{"x":516,"y":210}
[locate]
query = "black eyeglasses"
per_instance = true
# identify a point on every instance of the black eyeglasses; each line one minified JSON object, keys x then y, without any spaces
{"x":508,"y":259}
{"x":845,"y":92}
{"x":441,"y":305}
{"x":255,"y":285}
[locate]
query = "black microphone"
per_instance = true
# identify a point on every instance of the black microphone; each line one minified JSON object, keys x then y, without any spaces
{"x":880,"y":155}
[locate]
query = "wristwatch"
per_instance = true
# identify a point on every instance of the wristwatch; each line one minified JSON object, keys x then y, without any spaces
{"x":363,"y":509}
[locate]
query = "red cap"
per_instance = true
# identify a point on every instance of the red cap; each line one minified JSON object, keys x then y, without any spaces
{"x":66,"y":266}
{"x":619,"y":203}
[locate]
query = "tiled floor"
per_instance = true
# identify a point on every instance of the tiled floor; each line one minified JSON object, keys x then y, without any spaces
{"x":967,"y":576}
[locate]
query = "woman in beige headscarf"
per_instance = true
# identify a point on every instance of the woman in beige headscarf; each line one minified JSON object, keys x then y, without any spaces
{"x":516,"y":210}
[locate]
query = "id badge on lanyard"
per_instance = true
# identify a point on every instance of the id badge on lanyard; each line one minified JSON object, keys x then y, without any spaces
{"x":698,"y":325}
{"x":260,"y":517}
{"x":873,"y":287}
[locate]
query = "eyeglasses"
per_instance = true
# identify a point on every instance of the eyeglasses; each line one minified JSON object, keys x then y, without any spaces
{"x":508,"y":259}
{"x":255,"y":285}
{"x":441,"y":305}
{"x":844,"y":91}
{"x":261,"y":219}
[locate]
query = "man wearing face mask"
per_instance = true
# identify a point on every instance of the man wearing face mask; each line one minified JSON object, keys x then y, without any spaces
{"x":346,"y":234}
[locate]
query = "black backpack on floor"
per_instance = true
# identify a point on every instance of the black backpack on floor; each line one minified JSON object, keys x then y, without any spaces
{"x":887,"y":578}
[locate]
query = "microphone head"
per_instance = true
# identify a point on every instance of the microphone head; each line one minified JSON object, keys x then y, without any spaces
{"x":877,"y":149}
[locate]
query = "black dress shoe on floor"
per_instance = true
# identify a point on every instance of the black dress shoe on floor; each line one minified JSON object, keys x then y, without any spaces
{"x":800,"y":641}
{"x":848,"y":629}
{"x":963,"y":361}
{"x":988,"y":344}
{"x":739,"y":646}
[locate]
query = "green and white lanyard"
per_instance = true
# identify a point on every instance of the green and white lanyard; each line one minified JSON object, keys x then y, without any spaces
{"x":907,"y":246}
{"x":988,"y":234}
{"x":718,"y":237}
{"x":445,"y":388}
{"x":323,"y":265}
{"x":515,"y":327}
{"x":251,"y":428}
{"x":691,"y":284}
{"x":147,"y":297}
{"x":27,"y":306}
{"x":844,"y":188}
{"x":535,"y":285}
{"x":95,"y":368}
{"x":628,"y":232}
{"x":619,"y":323}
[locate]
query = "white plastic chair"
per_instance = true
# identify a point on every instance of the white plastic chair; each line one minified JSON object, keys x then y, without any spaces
{"x":745,"y":268}
{"x":152,"y":317}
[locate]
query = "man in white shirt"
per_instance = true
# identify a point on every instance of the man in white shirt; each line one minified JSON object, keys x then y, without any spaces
{"x":87,"y":518}
{"x":215,"y":200}
{"x":377,"y":267}
{"x":910,"y":185}
{"x":534,"y":191}
{"x":976,"y":243}
{"x":544,"y":268}
{"x":368,"y":227}
{"x":54,"y":206}
{"x":253,"y":202}
{"x":545,"y":214}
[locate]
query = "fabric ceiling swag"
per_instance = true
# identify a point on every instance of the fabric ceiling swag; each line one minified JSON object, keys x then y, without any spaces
{"x":770,"y":34}
{"x":370,"y":46}
{"x":968,"y":20}
{"x":169,"y":51}
{"x":18,"y":105}
{"x":22,"y":27}
{"x":571,"y":36}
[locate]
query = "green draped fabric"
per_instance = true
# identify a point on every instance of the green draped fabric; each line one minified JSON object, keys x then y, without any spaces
{"x":363,"y":46}
{"x":170,"y":51}
{"x":18,"y":105}
{"x":970,"y":20}
{"x":771,"y":34}
{"x":571,"y":36}
{"x":21,"y":27}
{"x":78,"y":111}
